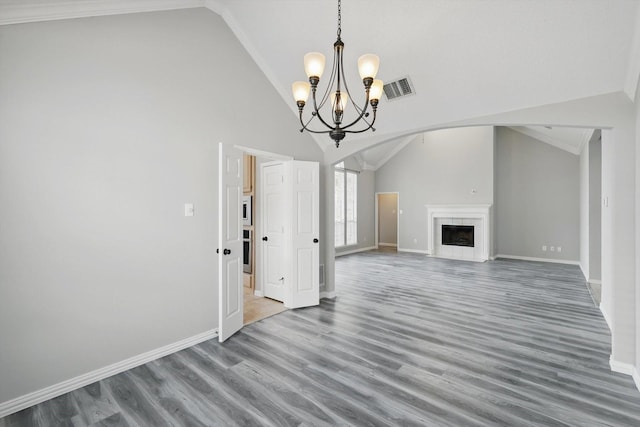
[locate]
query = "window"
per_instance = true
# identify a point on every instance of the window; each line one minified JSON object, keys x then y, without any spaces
{"x":346,"y":206}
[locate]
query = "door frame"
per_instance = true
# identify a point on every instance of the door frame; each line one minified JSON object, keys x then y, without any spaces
{"x":257,"y":218}
{"x":258,"y":256}
{"x":377,"y":214}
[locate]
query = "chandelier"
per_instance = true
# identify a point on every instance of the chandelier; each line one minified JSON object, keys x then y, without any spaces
{"x":338,"y":92}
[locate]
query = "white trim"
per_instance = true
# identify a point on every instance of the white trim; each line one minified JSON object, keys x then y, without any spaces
{"x":376,"y":219}
{"x":261,"y":153}
{"x":355,"y":251}
{"x":478,"y":212}
{"x":605,"y":315}
{"x":395,"y":245}
{"x":621,"y":367}
{"x":558,"y":143}
{"x":39,"y":396}
{"x":51,"y":11}
{"x":526,"y":258}
{"x":415,"y":251}
{"x":258,"y":293}
{"x":456,"y":258}
{"x":595,"y":281}
{"x":328,"y":295}
{"x":636,"y":377}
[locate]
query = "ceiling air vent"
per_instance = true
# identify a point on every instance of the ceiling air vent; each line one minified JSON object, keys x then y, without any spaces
{"x":399,"y":88}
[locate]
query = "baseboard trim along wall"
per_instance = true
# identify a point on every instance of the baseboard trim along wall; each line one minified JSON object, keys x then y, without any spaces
{"x":39,"y":396}
{"x":415,"y":251}
{"x":395,"y":245}
{"x":526,"y":258}
{"x":636,"y":377}
{"x":328,"y":295}
{"x":258,"y":293}
{"x":621,"y":367}
{"x":355,"y":251}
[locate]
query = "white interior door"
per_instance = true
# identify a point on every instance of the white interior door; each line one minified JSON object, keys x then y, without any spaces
{"x":274,"y":226}
{"x":231,"y":315}
{"x":304,"y":286}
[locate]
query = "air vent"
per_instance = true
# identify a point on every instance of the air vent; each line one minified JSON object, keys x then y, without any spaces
{"x":399,"y":88}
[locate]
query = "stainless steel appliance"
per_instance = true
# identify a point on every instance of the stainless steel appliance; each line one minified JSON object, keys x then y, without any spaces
{"x":246,"y":210}
{"x":247,"y":243}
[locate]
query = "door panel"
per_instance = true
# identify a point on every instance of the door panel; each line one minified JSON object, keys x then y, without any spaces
{"x":230,"y":308}
{"x":274,"y":220}
{"x":305,"y":289}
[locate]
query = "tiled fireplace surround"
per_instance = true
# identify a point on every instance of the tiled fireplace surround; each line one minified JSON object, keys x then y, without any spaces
{"x":476,"y":215}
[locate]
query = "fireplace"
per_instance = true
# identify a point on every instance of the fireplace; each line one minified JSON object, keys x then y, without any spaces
{"x":459,"y":232}
{"x":457,"y":235}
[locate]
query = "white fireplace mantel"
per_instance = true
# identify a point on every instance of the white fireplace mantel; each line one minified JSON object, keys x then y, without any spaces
{"x":479,"y":214}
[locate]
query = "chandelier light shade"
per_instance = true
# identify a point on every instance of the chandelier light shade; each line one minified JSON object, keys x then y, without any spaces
{"x":337,"y":91}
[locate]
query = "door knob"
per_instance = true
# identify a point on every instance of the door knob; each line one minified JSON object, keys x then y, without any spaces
{"x":315,"y":240}
{"x":226,"y":251}
{"x":265,"y":238}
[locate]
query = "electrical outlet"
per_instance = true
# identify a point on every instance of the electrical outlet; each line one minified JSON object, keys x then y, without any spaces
{"x":544,"y":248}
{"x":552,"y":249}
{"x":415,"y":240}
{"x":559,"y":248}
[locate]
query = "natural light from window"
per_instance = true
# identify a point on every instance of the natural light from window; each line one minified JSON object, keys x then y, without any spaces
{"x":346,"y":206}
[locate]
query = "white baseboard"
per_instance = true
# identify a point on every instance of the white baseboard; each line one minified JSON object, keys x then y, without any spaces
{"x":605,"y":315}
{"x":457,"y":259}
{"x":415,"y":251}
{"x":526,"y":258}
{"x":355,"y":251}
{"x":39,"y":396}
{"x":636,"y":377}
{"x":395,"y":245}
{"x":328,"y":295}
{"x":258,"y":293}
{"x":621,"y":367}
{"x":595,"y":282}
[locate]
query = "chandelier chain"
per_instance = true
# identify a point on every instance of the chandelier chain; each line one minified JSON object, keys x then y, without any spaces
{"x":339,"y":18}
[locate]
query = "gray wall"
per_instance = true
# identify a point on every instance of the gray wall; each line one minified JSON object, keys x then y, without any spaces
{"x":388,"y":218}
{"x":537,"y":198}
{"x":442,"y":168}
{"x":595,"y":208}
{"x":109,"y":125}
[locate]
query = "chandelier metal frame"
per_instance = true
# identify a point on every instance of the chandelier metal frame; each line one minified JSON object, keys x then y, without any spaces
{"x":314,"y":65}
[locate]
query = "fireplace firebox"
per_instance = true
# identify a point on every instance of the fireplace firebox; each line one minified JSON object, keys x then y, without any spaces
{"x":457,"y":235}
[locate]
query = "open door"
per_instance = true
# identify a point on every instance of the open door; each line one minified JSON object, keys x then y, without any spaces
{"x":304,"y":289}
{"x":230,"y":299}
{"x":290,"y":211}
{"x":274,"y":229}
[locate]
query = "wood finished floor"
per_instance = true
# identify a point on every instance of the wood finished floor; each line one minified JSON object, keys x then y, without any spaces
{"x":408,"y":341}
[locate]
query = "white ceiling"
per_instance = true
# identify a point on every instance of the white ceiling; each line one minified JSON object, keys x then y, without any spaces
{"x":466,"y":58}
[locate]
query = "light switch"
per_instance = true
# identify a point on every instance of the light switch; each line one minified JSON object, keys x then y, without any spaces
{"x":188,"y":209}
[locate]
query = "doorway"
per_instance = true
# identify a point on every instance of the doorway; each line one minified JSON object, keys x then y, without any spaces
{"x":257,"y":305}
{"x":299,"y":266}
{"x":387,"y":220}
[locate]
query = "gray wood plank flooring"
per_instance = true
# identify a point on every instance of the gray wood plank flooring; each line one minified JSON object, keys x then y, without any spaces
{"x":408,"y":341}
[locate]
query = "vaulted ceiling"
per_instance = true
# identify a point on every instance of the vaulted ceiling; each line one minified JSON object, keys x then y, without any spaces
{"x":466,"y":58}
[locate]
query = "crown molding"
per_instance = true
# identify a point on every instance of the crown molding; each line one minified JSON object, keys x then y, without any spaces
{"x":558,"y":143}
{"x":18,"y":13}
